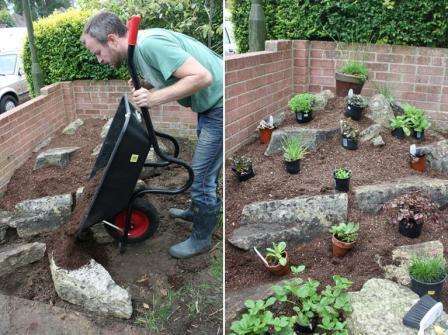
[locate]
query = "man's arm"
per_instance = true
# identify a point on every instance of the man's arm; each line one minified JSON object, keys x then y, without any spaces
{"x":193,"y":77}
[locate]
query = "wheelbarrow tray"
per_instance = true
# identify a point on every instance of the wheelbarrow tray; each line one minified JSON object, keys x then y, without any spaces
{"x":121,"y":157}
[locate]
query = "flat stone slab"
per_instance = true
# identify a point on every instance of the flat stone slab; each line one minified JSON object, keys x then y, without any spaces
{"x":13,"y":257}
{"x":297,"y":219}
{"x":371,"y":198}
{"x":403,"y":256}
{"x":21,"y":316}
{"x":54,"y":157}
{"x":437,"y":155}
{"x":379,"y":308}
{"x":36,"y":216}
{"x":311,"y":137}
{"x":73,"y":127}
{"x":92,"y":287}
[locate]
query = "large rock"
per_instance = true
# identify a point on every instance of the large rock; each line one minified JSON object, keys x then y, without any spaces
{"x":379,"y":308}
{"x":310,"y":137}
{"x":13,"y":257}
{"x":297,"y":219}
{"x":54,"y":157}
{"x":42,"y":145}
{"x":380,"y":111}
{"x":93,"y":288}
{"x":370,"y":132}
{"x":106,"y":128}
{"x":36,"y":216}
{"x":321,"y":100}
{"x":378,"y":141}
{"x":403,"y":256}
{"x":73,"y":127}
{"x":5,"y":217}
{"x":437,"y":155}
{"x":370,"y":198}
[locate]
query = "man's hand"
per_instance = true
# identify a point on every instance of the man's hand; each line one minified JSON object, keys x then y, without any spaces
{"x":143,"y":83}
{"x":144,"y":98}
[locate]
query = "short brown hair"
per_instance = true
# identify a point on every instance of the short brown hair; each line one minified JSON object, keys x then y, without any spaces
{"x":102,"y":24}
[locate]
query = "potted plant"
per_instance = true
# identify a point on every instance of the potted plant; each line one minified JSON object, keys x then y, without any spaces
{"x":400,"y":126}
{"x":428,"y":275}
{"x":349,"y":135}
{"x":417,"y":158}
{"x":301,"y":105}
{"x":293,"y":152}
{"x":265,"y":129}
{"x":355,"y":106}
{"x":351,"y":76}
{"x":410,"y":212}
{"x":417,"y":120}
{"x":342,"y":179}
{"x":344,"y":237}
{"x":242,"y":168}
{"x":277,"y":259}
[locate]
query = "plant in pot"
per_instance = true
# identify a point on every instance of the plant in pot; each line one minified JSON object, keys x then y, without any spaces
{"x":265,"y":129}
{"x":417,"y":120}
{"x":400,"y":126}
{"x":293,"y":152}
{"x":349,"y":135}
{"x":344,"y":237}
{"x":242,"y":168}
{"x":410,"y":211}
{"x":302,"y":106}
{"x":342,"y":179}
{"x":352,"y":75}
{"x":355,"y":106}
{"x":277,"y":259}
{"x":428,"y":275}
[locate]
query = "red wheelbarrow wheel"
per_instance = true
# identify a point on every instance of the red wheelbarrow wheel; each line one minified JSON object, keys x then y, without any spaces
{"x":144,"y":222}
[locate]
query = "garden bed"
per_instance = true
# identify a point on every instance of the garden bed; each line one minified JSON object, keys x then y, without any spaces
{"x":169,"y":296}
{"x":369,"y":165}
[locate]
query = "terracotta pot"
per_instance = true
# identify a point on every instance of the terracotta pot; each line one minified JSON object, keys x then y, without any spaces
{"x":345,"y":82}
{"x":340,"y":248}
{"x":265,"y":135}
{"x":279,"y":270}
{"x":418,"y":163}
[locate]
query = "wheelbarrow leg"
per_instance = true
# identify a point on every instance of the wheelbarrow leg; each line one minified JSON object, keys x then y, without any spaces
{"x":127,"y":227}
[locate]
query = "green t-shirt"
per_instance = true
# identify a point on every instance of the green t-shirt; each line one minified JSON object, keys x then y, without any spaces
{"x":160,"y":52}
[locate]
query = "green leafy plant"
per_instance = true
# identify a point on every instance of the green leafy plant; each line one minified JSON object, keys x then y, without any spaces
{"x":357,"y":100}
{"x":293,"y":150}
{"x":345,"y":231}
{"x":349,"y":130}
{"x":342,"y":173}
{"x":242,"y":164}
{"x":276,"y":254}
{"x":257,"y":320}
{"x":428,"y":269}
{"x":416,"y":116}
{"x":302,"y":103}
{"x":355,"y":68}
{"x":403,"y":122}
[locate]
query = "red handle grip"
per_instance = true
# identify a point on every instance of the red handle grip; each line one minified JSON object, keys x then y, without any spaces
{"x":132,"y":25}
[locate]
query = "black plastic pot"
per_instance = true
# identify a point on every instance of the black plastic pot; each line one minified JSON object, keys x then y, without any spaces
{"x":245,"y":175}
{"x":349,"y":143}
{"x":292,"y":167}
{"x":419,"y":135}
{"x":342,"y":185}
{"x":304,"y":118}
{"x":432,"y":289}
{"x":413,"y":231}
{"x":398,"y":133}
{"x":354,"y":112}
{"x":299,"y":329}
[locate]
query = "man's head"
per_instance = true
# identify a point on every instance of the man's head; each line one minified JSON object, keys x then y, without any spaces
{"x":105,"y":36}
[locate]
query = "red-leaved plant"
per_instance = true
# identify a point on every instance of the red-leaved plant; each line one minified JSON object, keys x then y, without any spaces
{"x":412,"y":208}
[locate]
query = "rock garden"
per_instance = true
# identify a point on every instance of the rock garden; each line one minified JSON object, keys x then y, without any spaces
{"x":96,"y":289}
{"x":333,"y":212}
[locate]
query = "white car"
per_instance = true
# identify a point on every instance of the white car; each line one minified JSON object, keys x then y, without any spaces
{"x":13,"y":86}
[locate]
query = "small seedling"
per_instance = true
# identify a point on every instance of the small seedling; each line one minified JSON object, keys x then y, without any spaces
{"x":277,"y":253}
{"x":342,"y":173}
{"x":345,"y":231}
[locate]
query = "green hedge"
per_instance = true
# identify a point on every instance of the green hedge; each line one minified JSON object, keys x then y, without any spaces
{"x":402,"y":22}
{"x":61,"y":55}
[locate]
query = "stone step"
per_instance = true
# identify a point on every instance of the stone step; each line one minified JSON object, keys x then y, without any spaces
{"x":371,"y":198}
{"x":13,"y":257}
{"x":54,"y":157}
{"x":73,"y":127}
{"x":297,"y":219}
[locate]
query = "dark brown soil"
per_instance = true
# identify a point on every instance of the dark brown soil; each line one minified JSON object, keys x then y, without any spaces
{"x":146,"y":268}
{"x":369,"y":165}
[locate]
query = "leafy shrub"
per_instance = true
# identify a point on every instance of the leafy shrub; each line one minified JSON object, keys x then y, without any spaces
{"x":428,"y":269}
{"x":6,"y":20}
{"x":349,"y":130}
{"x":342,"y":173}
{"x":417,"y":119}
{"x":410,"y":22}
{"x":403,"y":122}
{"x":302,"y":103}
{"x":242,"y":164}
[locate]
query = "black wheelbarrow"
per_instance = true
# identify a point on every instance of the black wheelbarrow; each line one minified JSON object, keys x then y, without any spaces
{"x":116,"y":203}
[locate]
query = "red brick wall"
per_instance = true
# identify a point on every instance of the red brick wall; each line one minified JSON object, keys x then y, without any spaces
{"x":259,"y":84}
{"x":29,"y":124}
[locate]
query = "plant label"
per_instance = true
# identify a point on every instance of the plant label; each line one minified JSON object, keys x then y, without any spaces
{"x":300,"y":116}
{"x":344,"y":142}
{"x":305,"y":115}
